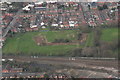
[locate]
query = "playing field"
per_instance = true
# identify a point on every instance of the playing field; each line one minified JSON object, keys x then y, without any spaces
{"x":24,"y":43}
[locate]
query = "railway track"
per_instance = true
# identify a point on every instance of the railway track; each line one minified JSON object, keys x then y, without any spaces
{"x":97,"y":66}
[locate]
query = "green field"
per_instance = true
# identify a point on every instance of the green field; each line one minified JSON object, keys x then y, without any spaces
{"x":109,"y":34}
{"x":51,"y":35}
{"x":24,"y":43}
{"x":90,"y":39}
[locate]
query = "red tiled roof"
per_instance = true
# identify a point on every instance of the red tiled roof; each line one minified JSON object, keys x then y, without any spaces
{"x":76,"y":24}
{"x":66,"y":25}
{"x":5,"y":70}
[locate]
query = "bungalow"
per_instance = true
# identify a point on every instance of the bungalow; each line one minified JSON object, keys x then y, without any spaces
{"x":55,"y":25}
{"x":33,"y":26}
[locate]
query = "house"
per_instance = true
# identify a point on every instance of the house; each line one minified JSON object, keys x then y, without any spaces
{"x":33,"y":26}
{"x":43,"y":27}
{"x":66,"y":26}
{"x":10,"y":59}
{"x":5,"y":71}
{"x":16,"y":70}
{"x":38,"y":3}
{"x":111,"y":5}
{"x":93,"y":5}
{"x":42,"y":23}
{"x":2,"y":39}
{"x":35,"y":29}
{"x":40,"y":8}
{"x":28,"y":29}
{"x":71,"y":23}
{"x":55,"y":25}
{"x":3,"y":59}
{"x":76,"y":25}
{"x":14,"y":30}
{"x":91,"y":23}
{"x":26,"y":8}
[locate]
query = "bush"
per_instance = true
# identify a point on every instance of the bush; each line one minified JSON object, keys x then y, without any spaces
{"x":105,"y":6}
{"x":79,"y":36}
{"x":61,"y":41}
{"x":90,"y":52}
{"x":100,"y":8}
{"x":85,"y":29}
{"x":76,"y":52}
{"x":109,"y":49}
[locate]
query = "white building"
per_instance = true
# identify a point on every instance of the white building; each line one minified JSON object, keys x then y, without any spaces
{"x":33,"y":26}
{"x":55,"y":25}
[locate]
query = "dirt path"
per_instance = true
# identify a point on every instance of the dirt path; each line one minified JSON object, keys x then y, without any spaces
{"x":42,"y":39}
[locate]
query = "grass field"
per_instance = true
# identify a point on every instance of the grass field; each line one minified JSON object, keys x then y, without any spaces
{"x":51,"y":35}
{"x":109,"y":34}
{"x":89,"y":41}
{"x":24,"y":43}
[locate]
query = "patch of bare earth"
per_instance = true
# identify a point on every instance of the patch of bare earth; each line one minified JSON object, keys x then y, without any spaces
{"x":40,"y":40}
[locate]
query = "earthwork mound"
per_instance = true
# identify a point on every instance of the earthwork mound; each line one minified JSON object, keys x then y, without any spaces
{"x":40,"y":40}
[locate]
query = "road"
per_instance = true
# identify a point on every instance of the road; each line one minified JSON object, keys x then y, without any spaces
{"x":5,"y":31}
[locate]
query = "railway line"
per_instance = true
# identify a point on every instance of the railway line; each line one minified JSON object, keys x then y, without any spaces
{"x":96,"y":66}
{"x":87,"y":60}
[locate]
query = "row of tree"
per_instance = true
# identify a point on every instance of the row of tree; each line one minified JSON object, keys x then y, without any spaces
{"x":99,"y":49}
{"x":62,"y":41}
{"x":103,"y":7}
